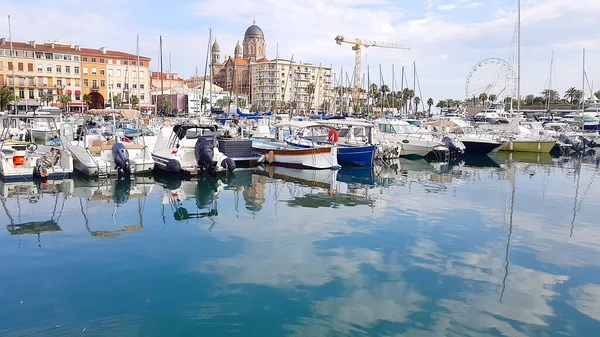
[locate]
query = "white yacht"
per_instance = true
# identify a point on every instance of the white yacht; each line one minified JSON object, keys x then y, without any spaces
{"x":398,"y":138}
{"x":21,"y":159}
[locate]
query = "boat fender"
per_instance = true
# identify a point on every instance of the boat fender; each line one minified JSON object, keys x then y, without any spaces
{"x":333,"y":136}
{"x":271,"y":157}
{"x":228,"y":164}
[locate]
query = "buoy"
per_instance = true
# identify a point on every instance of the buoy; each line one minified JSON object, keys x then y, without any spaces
{"x":333,"y":136}
{"x":271,"y":157}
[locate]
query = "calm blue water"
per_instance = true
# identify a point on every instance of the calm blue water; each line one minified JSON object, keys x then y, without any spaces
{"x":486,"y":248}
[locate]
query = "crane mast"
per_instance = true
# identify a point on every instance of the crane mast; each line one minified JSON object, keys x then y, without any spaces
{"x":356,"y":46}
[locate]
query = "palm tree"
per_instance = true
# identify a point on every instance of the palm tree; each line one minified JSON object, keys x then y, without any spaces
{"x":417,"y":100}
{"x":166,"y":103}
{"x":441,"y":104}
{"x":550,"y":95}
{"x":64,"y":99}
{"x":6,"y":95}
{"x":493,"y":98}
{"x":571,"y":94}
{"x":483,"y":97}
{"x":118,"y":100}
{"x":87,"y":98}
{"x":134,"y":100}
{"x":48,"y":99}
{"x":429,"y":104}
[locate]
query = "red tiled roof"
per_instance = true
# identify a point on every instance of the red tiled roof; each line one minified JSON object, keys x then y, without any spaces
{"x":40,"y":47}
{"x":262,"y":60}
{"x":239,"y":61}
{"x":113,"y":53}
{"x":71,"y":49}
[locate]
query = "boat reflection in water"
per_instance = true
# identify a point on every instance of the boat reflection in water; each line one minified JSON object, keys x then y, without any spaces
{"x":95,"y":194}
{"x":205,"y":192}
{"x":31,"y":192}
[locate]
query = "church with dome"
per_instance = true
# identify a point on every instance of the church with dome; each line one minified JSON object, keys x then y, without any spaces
{"x":232,"y":73}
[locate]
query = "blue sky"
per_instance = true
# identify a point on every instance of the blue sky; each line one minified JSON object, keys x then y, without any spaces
{"x":447,"y":37}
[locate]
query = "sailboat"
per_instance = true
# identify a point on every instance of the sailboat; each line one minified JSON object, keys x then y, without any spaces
{"x":520,"y":139}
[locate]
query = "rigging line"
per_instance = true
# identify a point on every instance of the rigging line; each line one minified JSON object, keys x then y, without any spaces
{"x":62,"y":207}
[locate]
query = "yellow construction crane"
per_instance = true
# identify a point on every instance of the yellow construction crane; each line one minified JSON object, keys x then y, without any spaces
{"x":356,"y":46}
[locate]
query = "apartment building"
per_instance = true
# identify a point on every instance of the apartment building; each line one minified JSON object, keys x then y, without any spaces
{"x":308,"y":86}
{"x":40,"y":72}
{"x":107,"y":73}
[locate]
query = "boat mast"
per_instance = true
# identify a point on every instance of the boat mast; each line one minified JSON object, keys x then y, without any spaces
{"x":414,"y":87}
{"x":162,"y":84}
{"x":402,"y":88}
{"x":519,"y":57}
{"x":138,"y":72}
{"x":582,"y":93}
{"x":208,"y":55}
{"x":368,"y":90}
{"x":210,"y":90}
{"x":12,"y":61}
{"x":276,"y":76}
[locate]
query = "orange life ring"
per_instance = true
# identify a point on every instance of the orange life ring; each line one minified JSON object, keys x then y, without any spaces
{"x":333,"y":136}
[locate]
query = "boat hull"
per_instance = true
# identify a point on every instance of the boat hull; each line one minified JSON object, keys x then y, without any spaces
{"x":357,"y":155}
{"x":479,"y":147}
{"x":533,"y":146}
{"x":314,"y":158}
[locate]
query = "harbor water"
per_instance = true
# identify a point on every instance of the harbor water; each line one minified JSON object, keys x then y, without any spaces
{"x":506,"y":245}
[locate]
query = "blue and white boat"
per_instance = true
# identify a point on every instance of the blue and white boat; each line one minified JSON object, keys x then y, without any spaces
{"x":354,"y":140}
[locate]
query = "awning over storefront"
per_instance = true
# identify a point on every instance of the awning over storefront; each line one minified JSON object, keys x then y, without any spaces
{"x":69,"y":92}
{"x":78,"y":104}
{"x":77,"y":92}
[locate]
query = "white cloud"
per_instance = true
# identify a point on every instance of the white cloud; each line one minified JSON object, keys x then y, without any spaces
{"x":306,"y":30}
{"x":475,"y":5}
{"x":447,"y":7}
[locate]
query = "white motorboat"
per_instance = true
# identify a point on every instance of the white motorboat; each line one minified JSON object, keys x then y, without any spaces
{"x":102,"y":152}
{"x":191,"y":149}
{"x":22,"y":160}
{"x":408,"y":139}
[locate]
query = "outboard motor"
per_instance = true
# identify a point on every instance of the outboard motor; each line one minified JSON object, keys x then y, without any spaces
{"x":586,"y":141}
{"x":203,"y":150}
{"x":452,"y":145}
{"x":121,"y":158}
{"x":569,"y":141}
{"x":228,"y":164}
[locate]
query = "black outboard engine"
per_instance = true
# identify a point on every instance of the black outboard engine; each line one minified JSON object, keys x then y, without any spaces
{"x":568,"y":140}
{"x":203,"y":150}
{"x":452,"y":145}
{"x":121,"y":158}
{"x":229,"y":164}
{"x":586,"y":141}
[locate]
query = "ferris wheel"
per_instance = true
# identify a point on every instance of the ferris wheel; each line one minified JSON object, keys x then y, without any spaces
{"x":492,"y":76}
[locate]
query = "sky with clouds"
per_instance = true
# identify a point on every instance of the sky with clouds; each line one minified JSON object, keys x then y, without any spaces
{"x":447,"y":37}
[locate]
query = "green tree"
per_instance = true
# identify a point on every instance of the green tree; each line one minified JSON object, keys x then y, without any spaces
{"x":166,"y":103}
{"x":441,"y":104}
{"x":429,"y":104}
{"x":483,"y":97}
{"x":417,"y":100}
{"x":572,"y":94}
{"x":529,"y":99}
{"x":7,"y":95}
{"x":240,"y":102}
{"x":64,"y":99}
{"x":134,"y":100}
{"x":117,"y":101}
{"x":254,"y":107}
{"x":311,"y":88}
{"x":493,"y":98}
{"x":597,"y":94}
{"x":87,"y":98}
{"x":549,"y":95}
{"x":47,"y":99}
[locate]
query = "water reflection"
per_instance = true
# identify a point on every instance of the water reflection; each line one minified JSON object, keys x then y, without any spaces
{"x":486,"y":246}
